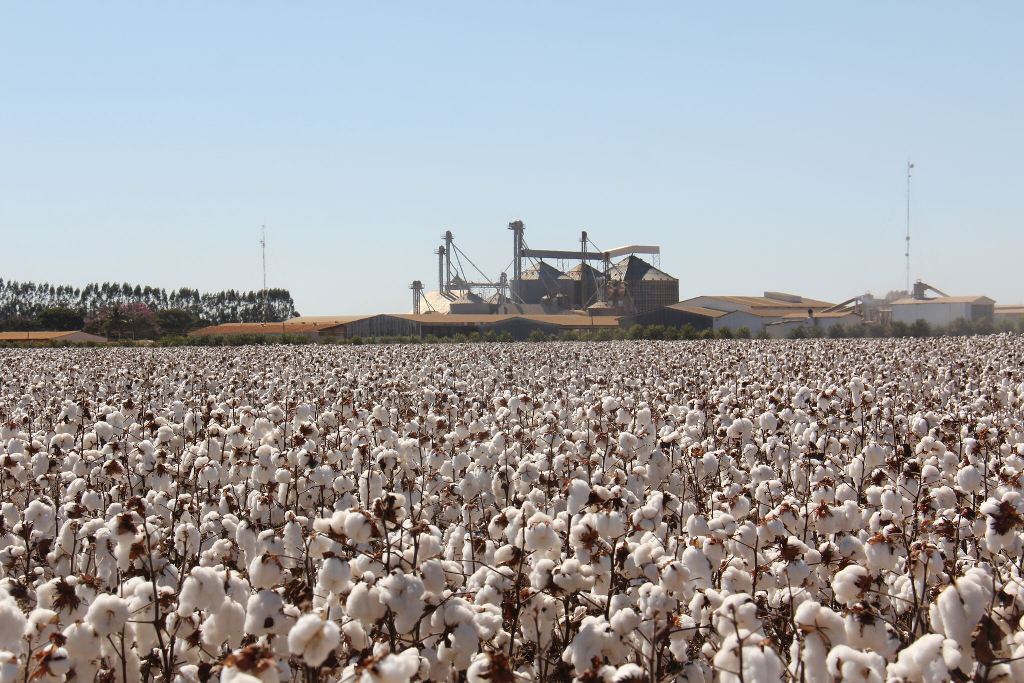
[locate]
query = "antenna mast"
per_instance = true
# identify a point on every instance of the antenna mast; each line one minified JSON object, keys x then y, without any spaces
{"x":263,"y":248}
{"x":910,"y":168}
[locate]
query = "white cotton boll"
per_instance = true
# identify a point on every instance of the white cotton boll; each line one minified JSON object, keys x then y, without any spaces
{"x":12,"y":624}
{"x":853,"y":666}
{"x":313,"y":638}
{"x":579,"y":493}
{"x":588,"y":645}
{"x":759,"y":662}
{"x":625,"y":621}
{"x":235,"y":676}
{"x":926,"y":660}
{"x":403,"y":595}
{"x":364,"y":604}
{"x":541,"y":535}
{"x":226,"y":625}
{"x":264,"y":613}
{"x":969,"y":479}
{"x":821,"y":628}
{"x":203,"y":587}
{"x":487,"y":667}
{"x":41,"y":516}
{"x":768,"y":421}
{"x":266,"y":571}
{"x":107,"y":614}
{"x":867,"y":631}
{"x":880,"y":554}
{"x":334,"y":575}
{"x":9,"y":668}
{"x":874,"y":457}
{"x":358,"y":527}
{"x":960,"y":606}
{"x":850,"y":583}
{"x":393,"y":668}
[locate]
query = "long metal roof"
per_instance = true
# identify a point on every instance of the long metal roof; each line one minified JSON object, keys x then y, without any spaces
{"x":561,"y":320}
{"x":977,"y":299}
{"x":37,"y":335}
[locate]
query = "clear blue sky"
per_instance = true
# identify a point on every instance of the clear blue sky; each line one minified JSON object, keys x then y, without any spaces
{"x":762,"y":145}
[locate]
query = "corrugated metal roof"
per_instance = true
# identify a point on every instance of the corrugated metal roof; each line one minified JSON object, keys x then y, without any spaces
{"x":38,"y":335}
{"x":581,"y":270}
{"x":542,"y":270}
{"x":325,"y":321}
{"x":301,"y":325}
{"x":976,"y":299}
{"x":562,"y":320}
{"x":764,"y":302}
{"x":1009,"y":310}
{"x":822,"y":314}
{"x":697,"y":310}
{"x":633,"y":268}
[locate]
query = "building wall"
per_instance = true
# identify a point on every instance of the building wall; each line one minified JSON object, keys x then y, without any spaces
{"x":650,"y":295}
{"x":933,"y":313}
{"x":783,"y":329}
{"x":82,"y":337}
{"x":669,"y":317}
{"x":379,"y":326}
{"x":736,"y":319}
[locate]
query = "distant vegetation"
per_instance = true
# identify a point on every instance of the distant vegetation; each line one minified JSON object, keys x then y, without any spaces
{"x":125,"y":311}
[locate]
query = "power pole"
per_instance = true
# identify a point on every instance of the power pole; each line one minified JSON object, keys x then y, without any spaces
{"x":263,"y":248}
{"x":910,"y":168}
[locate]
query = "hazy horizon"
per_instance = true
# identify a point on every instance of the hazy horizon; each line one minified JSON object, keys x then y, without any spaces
{"x":763,"y":147}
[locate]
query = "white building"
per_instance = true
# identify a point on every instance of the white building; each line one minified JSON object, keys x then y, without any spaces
{"x":942,"y":310}
{"x":823,"y":322}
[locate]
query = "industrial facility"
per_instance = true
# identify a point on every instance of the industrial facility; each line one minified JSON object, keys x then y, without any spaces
{"x":621,"y":284}
{"x":588,"y":288}
{"x":941,"y":309}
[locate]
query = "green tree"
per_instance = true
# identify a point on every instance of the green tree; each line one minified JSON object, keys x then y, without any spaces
{"x":175,"y":321}
{"x":60,"y":318}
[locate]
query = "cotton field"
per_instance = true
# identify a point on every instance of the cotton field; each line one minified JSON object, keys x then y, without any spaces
{"x":617,"y":512}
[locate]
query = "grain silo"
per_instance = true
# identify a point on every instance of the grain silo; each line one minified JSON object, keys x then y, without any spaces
{"x":640,"y":286}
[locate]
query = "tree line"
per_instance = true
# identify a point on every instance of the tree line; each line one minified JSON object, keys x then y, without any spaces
{"x":126,"y":311}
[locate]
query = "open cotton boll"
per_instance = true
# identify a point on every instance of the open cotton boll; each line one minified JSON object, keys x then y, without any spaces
{"x":821,"y":629}
{"x":202,"y":587}
{"x":854,"y":666}
{"x":929,"y":659}
{"x":757,"y":663}
{"x":850,"y":583}
{"x":9,"y":668}
{"x":588,"y":645}
{"x":403,"y":595}
{"x":226,"y":625}
{"x":391,"y":668}
{"x":265,"y":614}
{"x":12,"y":624}
{"x":960,"y":606}
{"x":488,"y":667}
{"x":107,"y":614}
{"x":251,"y":664}
{"x":313,"y":638}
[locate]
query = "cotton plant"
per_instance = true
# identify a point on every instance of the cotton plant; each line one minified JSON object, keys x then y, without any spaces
{"x":699,"y":511}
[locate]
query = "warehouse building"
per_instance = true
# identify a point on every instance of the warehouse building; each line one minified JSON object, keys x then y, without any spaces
{"x":676,"y":315}
{"x":38,"y":337}
{"x":1010,"y":314}
{"x":822,"y":323}
{"x":754,"y":313}
{"x":325,"y":328}
{"x":942,"y":310}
